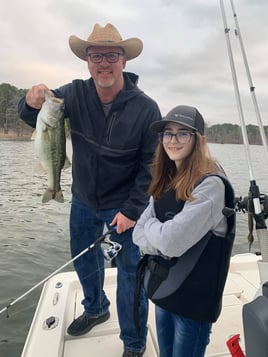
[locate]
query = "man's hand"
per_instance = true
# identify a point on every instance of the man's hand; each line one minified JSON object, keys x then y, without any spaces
{"x":122,"y":223}
{"x":35,"y":97}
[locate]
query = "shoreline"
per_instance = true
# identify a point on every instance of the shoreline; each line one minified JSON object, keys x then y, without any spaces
{"x":14,"y":137}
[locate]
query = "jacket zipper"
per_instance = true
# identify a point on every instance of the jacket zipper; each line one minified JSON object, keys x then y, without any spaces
{"x":108,"y":137}
{"x":110,"y":125}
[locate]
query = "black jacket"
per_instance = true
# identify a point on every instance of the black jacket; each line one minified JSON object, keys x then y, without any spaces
{"x":111,"y":155}
{"x":191,"y":285}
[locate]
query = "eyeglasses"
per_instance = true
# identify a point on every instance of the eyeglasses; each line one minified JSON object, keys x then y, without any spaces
{"x":182,"y":137}
{"x":111,"y":57}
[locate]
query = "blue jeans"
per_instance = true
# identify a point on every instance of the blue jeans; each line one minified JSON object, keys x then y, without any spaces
{"x":179,"y":336}
{"x":86,"y":225}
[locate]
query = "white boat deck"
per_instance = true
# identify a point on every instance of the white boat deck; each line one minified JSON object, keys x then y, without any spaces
{"x":103,"y":340}
{"x":241,"y":287}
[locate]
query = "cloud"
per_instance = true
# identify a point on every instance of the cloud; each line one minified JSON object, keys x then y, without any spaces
{"x":184,"y":61}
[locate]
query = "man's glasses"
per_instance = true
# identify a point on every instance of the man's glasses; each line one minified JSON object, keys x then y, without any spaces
{"x":182,"y":137}
{"x":111,"y":57}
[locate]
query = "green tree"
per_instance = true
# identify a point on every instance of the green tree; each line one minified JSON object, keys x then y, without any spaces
{"x":9,"y":118}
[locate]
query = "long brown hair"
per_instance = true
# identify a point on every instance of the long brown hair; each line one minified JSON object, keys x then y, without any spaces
{"x":166,"y":176}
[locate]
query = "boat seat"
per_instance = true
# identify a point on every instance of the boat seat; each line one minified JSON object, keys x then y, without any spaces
{"x":255,"y":323}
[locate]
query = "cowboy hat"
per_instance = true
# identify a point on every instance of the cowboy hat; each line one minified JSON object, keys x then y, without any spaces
{"x":105,"y":36}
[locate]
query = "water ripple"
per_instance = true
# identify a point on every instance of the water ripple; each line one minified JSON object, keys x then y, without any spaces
{"x":34,"y":237}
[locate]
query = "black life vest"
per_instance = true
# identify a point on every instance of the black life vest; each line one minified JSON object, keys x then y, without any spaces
{"x":190,"y":285}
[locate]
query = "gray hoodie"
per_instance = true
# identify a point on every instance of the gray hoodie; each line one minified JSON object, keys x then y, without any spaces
{"x":174,"y":237}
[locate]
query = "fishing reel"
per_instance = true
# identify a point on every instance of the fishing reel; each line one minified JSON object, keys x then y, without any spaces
{"x":246,"y":204}
{"x":113,"y":250}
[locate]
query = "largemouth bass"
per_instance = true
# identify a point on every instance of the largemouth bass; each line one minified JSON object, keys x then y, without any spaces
{"x":50,"y":145}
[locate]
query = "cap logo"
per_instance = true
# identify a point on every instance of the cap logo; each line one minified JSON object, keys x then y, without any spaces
{"x":184,"y":115}
{"x":176,"y":115}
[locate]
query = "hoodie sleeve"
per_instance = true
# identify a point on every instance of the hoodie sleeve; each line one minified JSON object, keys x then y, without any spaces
{"x":138,"y":195}
{"x":175,"y":236}
{"x":26,"y":113}
{"x":138,"y":234}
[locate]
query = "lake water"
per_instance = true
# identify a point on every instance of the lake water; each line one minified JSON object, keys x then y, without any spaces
{"x":34,"y":237}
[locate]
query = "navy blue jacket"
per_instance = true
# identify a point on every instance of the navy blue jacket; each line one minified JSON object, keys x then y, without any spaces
{"x":111,"y":155}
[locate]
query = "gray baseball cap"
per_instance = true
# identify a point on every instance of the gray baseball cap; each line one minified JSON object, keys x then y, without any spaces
{"x":184,"y":115}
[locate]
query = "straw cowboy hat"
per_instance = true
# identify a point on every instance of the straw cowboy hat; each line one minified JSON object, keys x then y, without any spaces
{"x":105,"y":36}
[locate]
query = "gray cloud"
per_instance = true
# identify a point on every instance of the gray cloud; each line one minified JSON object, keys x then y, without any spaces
{"x":184,"y":61}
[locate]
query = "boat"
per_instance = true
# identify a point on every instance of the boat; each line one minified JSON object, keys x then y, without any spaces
{"x":60,"y":303}
{"x":242,"y":327}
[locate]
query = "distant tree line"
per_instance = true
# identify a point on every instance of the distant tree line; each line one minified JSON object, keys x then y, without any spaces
{"x":10,"y":122}
{"x":232,"y":134}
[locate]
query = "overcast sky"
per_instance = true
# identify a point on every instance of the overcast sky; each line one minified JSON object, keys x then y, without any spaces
{"x":184,"y":61}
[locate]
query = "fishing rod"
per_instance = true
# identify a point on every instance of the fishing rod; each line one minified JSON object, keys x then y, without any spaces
{"x":237,"y":92}
{"x":251,"y":86}
{"x":109,"y":254}
{"x":254,"y":207}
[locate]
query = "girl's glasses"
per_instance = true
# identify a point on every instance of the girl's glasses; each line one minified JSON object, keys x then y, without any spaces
{"x":182,"y":137}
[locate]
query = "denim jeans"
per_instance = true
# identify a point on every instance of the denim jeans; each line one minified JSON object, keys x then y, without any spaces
{"x":86,"y":225}
{"x":179,"y":336}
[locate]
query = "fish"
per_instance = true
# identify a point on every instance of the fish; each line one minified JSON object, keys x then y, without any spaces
{"x":50,"y":146}
{"x":250,"y":228}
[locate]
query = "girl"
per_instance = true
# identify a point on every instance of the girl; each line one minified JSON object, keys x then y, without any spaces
{"x":183,"y":227}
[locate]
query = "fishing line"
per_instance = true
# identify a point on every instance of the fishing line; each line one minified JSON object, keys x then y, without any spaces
{"x":254,"y":193}
{"x":100,"y":239}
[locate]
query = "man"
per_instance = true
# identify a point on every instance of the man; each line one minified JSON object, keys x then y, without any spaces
{"x":112,"y":150}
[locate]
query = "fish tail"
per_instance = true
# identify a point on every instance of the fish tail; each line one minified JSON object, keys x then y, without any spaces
{"x":53,"y":195}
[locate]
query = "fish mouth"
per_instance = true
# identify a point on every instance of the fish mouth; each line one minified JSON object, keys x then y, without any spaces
{"x":57,"y":100}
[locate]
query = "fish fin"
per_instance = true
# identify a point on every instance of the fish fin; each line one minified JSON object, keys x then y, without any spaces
{"x":59,"y":196}
{"x":67,"y":128}
{"x":48,"y":195}
{"x":33,"y":134}
{"x":250,"y":241}
{"x":38,"y":169}
{"x":53,"y":195}
{"x":67,"y":163}
{"x":250,"y":233}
